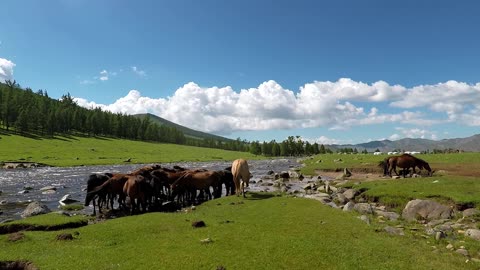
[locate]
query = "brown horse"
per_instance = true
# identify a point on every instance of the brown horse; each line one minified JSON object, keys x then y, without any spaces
{"x":241,"y":175}
{"x":192,"y":181}
{"x":405,"y":161}
{"x":95,"y":180}
{"x":136,"y":188}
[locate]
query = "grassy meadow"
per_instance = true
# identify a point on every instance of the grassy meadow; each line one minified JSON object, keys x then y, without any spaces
{"x":455,"y":180}
{"x":464,"y":164}
{"x":260,"y":232}
{"x":264,"y":231}
{"x":75,"y":151}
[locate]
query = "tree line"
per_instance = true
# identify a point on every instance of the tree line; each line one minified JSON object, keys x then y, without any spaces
{"x":27,"y":113}
{"x":292,"y":146}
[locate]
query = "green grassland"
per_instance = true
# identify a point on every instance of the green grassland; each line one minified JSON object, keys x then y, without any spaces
{"x":75,"y":151}
{"x":467,"y":164}
{"x":455,"y":181}
{"x":260,"y":232}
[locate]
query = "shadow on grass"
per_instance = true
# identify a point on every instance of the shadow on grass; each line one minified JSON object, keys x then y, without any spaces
{"x":260,"y":196}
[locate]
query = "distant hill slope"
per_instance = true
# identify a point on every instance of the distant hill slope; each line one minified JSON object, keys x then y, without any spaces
{"x":471,"y":143}
{"x":187,"y":131}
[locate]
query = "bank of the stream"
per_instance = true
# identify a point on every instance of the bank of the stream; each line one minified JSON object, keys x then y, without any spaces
{"x":263,"y":231}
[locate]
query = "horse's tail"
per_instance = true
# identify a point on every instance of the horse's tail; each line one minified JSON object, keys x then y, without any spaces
{"x":91,"y":195}
{"x":384,"y":164}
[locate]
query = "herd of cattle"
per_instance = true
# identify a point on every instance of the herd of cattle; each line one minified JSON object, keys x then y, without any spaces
{"x":149,"y":187}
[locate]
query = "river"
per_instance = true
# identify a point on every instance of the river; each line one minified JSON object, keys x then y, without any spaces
{"x":18,"y":187}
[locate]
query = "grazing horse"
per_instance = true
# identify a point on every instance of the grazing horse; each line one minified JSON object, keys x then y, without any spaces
{"x":241,"y":175}
{"x":405,"y":161}
{"x":95,"y":180}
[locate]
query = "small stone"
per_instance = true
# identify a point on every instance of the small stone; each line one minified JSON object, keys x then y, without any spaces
{"x":206,"y":241}
{"x":462,"y":251}
{"x":198,"y":224}
{"x":64,"y":236}
{"x":393,"y":230}
{"x":449,"y":247}
{"x":365,"y":219}
{"x":439,"y":235}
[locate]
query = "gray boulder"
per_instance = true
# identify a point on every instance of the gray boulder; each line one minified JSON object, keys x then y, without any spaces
{"x":389,"y":215}
{"x":341,"y":198}
{"x":427,"y":210}
{"x":350,"y":193}
{"x":35,"y":208}
{"x":349,"y":206}
{"x":471,"y":212}
{"x":473,"y":233}
{"x":363,"y":208}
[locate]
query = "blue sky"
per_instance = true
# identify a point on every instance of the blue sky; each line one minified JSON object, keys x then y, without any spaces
{"x":330,"y":71}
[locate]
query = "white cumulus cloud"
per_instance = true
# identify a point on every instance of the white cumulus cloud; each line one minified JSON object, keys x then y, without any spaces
{"x":6,"y":69}
{"x":335,"y":105}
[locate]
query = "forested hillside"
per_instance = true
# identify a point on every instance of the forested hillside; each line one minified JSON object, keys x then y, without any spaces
{"x":29,"y":113}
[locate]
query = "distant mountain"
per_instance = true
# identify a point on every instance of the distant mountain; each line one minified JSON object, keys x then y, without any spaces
{"x":471,"y":143}
{"x":187,"y":131}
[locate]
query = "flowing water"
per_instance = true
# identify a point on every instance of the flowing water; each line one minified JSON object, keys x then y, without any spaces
{"x":18,"y":187}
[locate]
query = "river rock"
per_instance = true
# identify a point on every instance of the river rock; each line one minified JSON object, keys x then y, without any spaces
{"x":67,"y":199}
{"x":471,"y":212}
{"x":389,"y":215}
{"x":462,"y":251}
{"x":48,"y":188}
{"x":35,"y":208}
{"x":48,"y":192}
{"x":350,"y":193}
{"x":349,"y":206}
{"x":293,"y":174}
{"x":23,"y":192}
{"x":473,"y":233}
{"x":426,"y":209}
{"x":341,"y":198}
{"x":365,"y":219}
{"x":363,"y":208}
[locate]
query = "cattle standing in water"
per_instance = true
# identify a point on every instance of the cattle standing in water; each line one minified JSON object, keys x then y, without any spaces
{"x":241,"y":175}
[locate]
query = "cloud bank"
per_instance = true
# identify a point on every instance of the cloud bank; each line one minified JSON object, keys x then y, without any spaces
{"x":335,"y":105}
